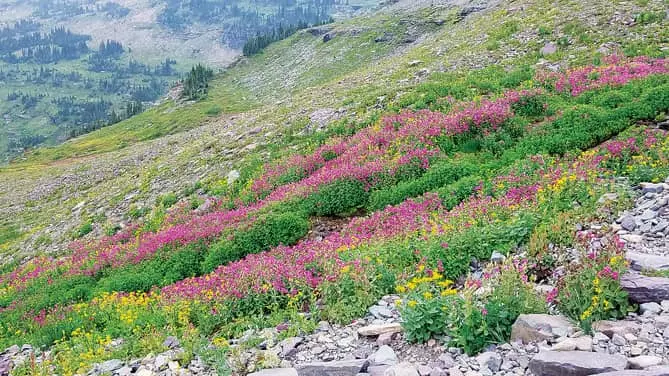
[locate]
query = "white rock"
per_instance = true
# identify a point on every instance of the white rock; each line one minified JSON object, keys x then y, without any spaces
{"x":583,"y":343}
{"x":385,"y":355}
{"x":490,"y":360}
{"x":375,"y":330}
{"x":618,"y":340}
{"x":651,"y":308}
{"x":643,"y":361}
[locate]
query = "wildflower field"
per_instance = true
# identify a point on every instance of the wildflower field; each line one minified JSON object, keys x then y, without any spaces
{"x":423,"y":190}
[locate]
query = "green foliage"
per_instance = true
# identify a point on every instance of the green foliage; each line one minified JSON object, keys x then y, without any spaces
{"x":646,"y":18}
{"x":83,"y":230}
{"x":591,"y":291}
{"x":437,"y":176}
{"x":473,"y":318}
{"x":168,"y":199}
{"x":167,"y":267}
{"x":135,"y":212}
{"x":8,"y":233}
{"x":270,"y":231}
{"x":340,"y":198}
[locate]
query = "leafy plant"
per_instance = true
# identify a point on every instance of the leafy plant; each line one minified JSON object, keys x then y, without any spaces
{"x":591,"y":291}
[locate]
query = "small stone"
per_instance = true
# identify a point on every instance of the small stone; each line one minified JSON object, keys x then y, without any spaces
{"x":173,"y":365}
{"x":336,"y":368}
{"x":538,"y":327}
{"x":636,"y":351}
{"x":375,"y":330}
{"x":651,"y":187}
{"x":651,"y":307}
{"x":110,"y":366}
{"x":233,"y":176}
{"x":13,"y":350}
{"x":628,"y":223}
{"x":549,"y":49}
{"x":648,"y":214}
{"x":171,"y":342}
{"x":288,"y":346}
{"x":424,"y":370}
{"x":144,"y":372}
{"x":455,"y":371}
{"x":385,"y":355}
{"x":632,"y":238}
{"x":618,"y":340}
{"x":402,"y":369}
{"x":490,"y":360}
{"x":376,"y":370}
{"x":497,"y":257}
{"x":583,"y":343}
{"x":631,"y":338}
{"x":161,"y":361}
{"x":380,"y":312}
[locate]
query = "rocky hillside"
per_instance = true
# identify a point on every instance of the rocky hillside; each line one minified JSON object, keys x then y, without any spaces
{"x":451,"y":188}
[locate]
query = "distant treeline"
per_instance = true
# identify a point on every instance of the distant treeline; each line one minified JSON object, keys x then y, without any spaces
{"x":259,"y":42}
{"x":241,"y":23}
{"x":19,"y":44}
{"x":71,"y":8}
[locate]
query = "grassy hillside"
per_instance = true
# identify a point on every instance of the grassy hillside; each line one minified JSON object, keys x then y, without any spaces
{"x":430,"y":135}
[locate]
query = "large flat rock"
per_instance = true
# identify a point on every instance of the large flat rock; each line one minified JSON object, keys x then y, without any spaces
{"x":642,"y":289}
{"x":642,"y":261}
{"x":337,"y":368}
{"x":575,"y":363}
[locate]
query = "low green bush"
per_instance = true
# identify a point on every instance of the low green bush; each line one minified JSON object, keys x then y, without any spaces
{"x":270,"y":231}
{"x":339,"y":198}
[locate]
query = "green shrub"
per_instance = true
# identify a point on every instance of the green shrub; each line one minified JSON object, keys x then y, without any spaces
{"x":339,"y":198}
{"x":271,"y":231}
{"x":646,"y":18}
{"x":167,"y":267}
{"x":83,"y":230}
{"x":473,"y":320}
{"x":168,"y":199}
{"x":591,"y":291}
{"x":436,"y":176}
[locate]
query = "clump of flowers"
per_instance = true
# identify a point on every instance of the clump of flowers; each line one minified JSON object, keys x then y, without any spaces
{"x":424,"y":309}
{"x":590,"y":290}
{"x":478,"y":315}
